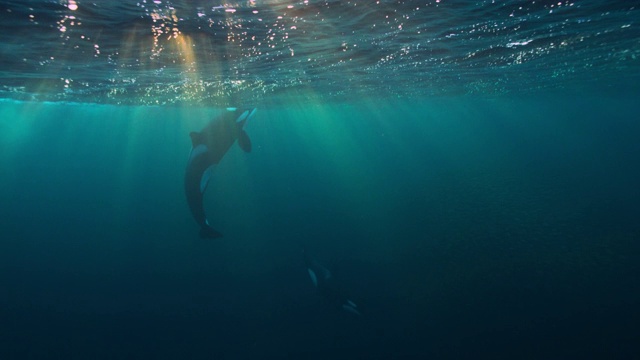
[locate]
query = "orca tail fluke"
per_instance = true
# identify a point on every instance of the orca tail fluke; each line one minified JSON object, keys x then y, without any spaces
{"x":207,"y":232}
{"x":351,"y":307}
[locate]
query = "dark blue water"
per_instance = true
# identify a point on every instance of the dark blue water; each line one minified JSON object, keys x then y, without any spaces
{"x":468,"y":171}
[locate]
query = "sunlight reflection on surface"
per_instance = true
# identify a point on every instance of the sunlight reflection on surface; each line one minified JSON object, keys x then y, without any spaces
{"x":135,"y":52}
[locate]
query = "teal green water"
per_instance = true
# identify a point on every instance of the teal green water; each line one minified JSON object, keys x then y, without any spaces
{"x":463,"y":227}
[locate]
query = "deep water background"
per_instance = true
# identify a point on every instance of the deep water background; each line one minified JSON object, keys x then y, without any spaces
{"x":464,"y":227}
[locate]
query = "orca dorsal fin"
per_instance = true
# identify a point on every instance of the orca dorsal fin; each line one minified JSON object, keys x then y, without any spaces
{"x":244,"y":141}
{"x":196,"y":139}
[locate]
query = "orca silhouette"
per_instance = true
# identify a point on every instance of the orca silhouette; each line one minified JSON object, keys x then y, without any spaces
{"x":208,"y":148}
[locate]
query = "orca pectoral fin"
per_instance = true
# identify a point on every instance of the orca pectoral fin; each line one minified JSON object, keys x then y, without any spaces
{"x":207,"y":232}
{"x":241,"y":119}
{"x":244,"y":141}
{"x":245,"y":116}
{"x":251,"y":113}
{"x":314,"y":278}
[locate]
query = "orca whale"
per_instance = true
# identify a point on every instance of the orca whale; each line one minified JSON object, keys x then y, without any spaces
{"x":207,"y":149}
{"x":323,"y":281}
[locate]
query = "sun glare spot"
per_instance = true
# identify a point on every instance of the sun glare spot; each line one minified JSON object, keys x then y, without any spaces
{"x":72,"y":5}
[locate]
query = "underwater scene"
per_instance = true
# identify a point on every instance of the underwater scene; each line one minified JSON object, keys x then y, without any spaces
{"x":276,"y":179}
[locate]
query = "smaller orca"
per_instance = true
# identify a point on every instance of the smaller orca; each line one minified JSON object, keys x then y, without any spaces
{"x":323,"y":281}
{"x":208,"y":148}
